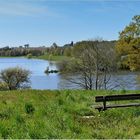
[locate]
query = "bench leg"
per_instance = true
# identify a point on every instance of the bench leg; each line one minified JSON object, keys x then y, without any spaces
{"x":102,"y":109}
{"x":99,"y":109}
{"x":104,"y":105}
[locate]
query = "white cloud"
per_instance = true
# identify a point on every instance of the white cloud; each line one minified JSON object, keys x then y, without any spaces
{"x":22,"y":8}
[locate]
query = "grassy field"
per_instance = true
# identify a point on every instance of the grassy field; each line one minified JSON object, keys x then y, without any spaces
{"x":52,"y":58}
{"x":44,"y":57}
{"x":61,"y":114}
{"x":11,"y":56}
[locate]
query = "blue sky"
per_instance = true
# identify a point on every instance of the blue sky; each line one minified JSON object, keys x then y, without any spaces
{"x":42,"y":22}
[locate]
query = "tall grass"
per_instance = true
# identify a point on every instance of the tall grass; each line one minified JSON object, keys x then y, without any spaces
{"x":62,"y":114}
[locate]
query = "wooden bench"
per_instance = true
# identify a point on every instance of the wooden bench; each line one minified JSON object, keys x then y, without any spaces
{"x":108,"y":98}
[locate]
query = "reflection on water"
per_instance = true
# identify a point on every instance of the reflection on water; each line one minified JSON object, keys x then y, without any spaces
{"x":120,"y":80}
{"x":138,"y":81}
{"x":39,"y":80}
{"x":125,"y":80}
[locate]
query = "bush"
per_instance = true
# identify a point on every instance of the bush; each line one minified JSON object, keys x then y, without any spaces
{"x":63,"y":66}
{"x":3,"y":86}
{"x":29,"y":55}
{"x":29,"y":108}
{"x":15,"y":78}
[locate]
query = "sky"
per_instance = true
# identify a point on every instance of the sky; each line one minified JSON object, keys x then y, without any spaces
{"x":43,"y":22}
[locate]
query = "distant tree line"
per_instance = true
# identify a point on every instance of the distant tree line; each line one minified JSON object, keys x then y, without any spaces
{"x":21,"y":51}
{"x":25,"y":50}
{"x":66,"y":50}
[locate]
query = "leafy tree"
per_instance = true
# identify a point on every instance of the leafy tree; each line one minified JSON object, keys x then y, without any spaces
{"x":54,"y":45}
{"x":67,"y":51}
{"x":15,"y":78}
{"x":128,"y":45}
{"x":26,"y":45}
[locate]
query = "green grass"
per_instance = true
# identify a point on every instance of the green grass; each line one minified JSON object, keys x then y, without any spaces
{"x":34,"y":114}
{"x":52,"y":58}
{"x":10,"y":56}
{"x":44,"y":57}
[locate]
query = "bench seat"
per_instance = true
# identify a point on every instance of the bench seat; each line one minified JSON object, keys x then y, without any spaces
{"x":117,"y":106}
{"x":110,"y":98}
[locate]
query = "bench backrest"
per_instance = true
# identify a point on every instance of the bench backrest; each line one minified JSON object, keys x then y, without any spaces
{"x":117,"y":97}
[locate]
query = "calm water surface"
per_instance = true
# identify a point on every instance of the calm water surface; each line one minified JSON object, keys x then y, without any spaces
{"x":39,"y":80}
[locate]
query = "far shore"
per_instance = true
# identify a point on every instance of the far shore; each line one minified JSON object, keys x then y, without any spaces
{"x":44,"y":57}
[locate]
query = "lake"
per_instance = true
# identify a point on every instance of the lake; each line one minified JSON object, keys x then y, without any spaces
{"x":40,"y":80}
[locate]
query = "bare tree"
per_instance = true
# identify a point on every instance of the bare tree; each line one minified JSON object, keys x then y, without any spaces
{"x":106,"y":64}
{"x":93,"y":66}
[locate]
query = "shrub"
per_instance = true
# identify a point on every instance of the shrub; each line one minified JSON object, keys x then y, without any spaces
{"x":29,"y":108}
{"x":3,"y":86}
{"x":15,"y":78}
{"x":29,"y":55}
